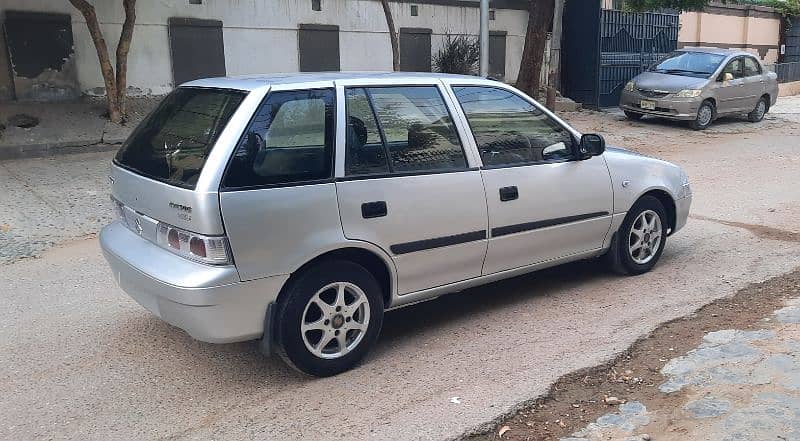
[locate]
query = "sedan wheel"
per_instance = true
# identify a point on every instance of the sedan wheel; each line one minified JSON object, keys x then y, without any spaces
{"x":640,"y":240}
{"x":705,"y":115}
{"x":758,"y":113}
{"x":645,"y":237}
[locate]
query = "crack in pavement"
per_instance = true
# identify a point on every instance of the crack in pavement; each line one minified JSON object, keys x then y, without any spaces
{"x":761,"y":231}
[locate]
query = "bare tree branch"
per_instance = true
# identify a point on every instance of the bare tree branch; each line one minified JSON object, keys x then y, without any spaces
{"x":392,"y":35}
{"x":90,"y":15}
{"x":123,"y":46}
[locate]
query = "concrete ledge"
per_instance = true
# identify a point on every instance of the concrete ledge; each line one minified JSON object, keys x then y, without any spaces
{"x":789,"y":89}
{"x":42,"y":150}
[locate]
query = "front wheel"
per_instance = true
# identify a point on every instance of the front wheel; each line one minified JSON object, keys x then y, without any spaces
{"x":641,"y":238}
{"x":705,"y":115}
{"x":633,"y":116}
{"x":329,"y":318}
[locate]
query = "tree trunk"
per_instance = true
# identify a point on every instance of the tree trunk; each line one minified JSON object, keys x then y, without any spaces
{"x":392,"y":35}
{"x":540,"y":18}
{"x":123,"y":46}
{"x":554,"y":74}
{"x":89,"y":14}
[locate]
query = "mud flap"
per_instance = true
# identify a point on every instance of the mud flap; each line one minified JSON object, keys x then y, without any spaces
{"x":265,"y":344}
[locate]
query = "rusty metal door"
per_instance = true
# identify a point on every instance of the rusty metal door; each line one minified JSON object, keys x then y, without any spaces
{"x":196,"y":48}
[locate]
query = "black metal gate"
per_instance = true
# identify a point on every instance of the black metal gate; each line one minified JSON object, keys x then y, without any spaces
{"x":604,"y":49}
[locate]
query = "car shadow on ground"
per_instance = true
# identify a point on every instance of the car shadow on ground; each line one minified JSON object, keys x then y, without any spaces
{"x":722,"y":124}
{"x":242,"y":364}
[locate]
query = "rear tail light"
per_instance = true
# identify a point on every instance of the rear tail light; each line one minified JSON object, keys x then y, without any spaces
{"x":213,"y":250}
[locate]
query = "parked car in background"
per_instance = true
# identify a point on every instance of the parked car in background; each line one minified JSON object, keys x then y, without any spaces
{"x":296,"y":209}
{"x":700,"y":84}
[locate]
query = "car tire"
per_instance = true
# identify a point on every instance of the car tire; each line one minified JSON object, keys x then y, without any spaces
{"x":623,"y":256}
{"x":311,"y":310}
{"x":633,"y":116}
{"x":705,"y":116}
{"x":757,"y":114}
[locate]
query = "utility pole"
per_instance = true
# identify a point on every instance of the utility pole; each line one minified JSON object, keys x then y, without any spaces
{"x":484,"y":39}
{"x":554,"y":68}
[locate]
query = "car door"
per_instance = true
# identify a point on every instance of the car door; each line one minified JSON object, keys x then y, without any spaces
{"x":730,"y":94}
{"x":408,"y":186}
{"x":543,"y":203}
{"x":754,"y":83}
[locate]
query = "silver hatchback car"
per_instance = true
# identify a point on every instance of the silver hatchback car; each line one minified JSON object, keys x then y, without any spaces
{"x":699,"y":84}
{"x":297,"y":209}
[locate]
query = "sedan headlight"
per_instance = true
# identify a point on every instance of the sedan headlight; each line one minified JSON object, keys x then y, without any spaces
{"x":689,"y":93}
{"x":631,"y":86}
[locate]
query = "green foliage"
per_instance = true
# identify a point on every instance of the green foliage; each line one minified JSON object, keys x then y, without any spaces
{"x":459,"y":55}
{"x":787,"y":8}
{"x":679,"y":5}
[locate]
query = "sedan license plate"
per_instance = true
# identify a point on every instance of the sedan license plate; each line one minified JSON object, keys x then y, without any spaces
{"x":647,"y":105}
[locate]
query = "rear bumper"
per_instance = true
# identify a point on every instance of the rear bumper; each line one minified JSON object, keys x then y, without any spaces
{"x":684,"y":109}
{"x":208,"y":302}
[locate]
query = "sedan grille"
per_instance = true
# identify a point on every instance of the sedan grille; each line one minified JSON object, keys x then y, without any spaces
{"x":650,"y":93}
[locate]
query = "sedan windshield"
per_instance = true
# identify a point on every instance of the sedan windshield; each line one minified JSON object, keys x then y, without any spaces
{"x":691,"y":64}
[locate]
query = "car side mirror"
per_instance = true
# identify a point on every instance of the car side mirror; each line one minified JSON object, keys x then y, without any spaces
{"x":591,"y":145}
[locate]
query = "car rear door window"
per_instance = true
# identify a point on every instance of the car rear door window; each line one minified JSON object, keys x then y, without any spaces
{"x":289,"y":141}
{"x":173,"y":143}
{"x":509,"y":130}
{"x":414,"y":127}
{"x":751,"y":67}
{"x":735,"y":68}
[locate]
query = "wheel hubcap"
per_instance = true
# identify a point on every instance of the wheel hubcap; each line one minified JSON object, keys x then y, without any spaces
{"x":704,"y":115}
{"x":644,"y":239}
{"x":335,"y":320}
{"x":761,"y":109}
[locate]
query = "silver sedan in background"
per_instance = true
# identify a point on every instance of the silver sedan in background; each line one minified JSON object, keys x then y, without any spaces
{"x":700,"y":84}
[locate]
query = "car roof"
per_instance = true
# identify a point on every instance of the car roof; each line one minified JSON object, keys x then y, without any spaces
{"x":714,"y":50}
{"x":250,"y":82}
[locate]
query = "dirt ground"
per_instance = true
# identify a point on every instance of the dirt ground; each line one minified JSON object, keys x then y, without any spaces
{"x":580,"y":397}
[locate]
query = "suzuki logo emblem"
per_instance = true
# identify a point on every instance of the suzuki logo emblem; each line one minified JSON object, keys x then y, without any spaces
{"x":139,"y":228}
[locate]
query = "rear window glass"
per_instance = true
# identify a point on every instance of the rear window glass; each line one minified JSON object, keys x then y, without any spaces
{"x":172,"y":144}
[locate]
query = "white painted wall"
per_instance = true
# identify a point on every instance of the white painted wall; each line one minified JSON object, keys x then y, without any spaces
{"x":261,"y":35}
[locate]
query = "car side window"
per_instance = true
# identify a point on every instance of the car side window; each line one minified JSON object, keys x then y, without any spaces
{"x":734,"y":68}
{"x":415,"y":132}
{"x":751,"y":67}
{"x":289,"y":140}
{"x":509,"y":130}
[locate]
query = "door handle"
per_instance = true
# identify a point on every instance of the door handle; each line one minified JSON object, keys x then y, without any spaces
{"x":371,"y":210}
{"x":509,"y":193}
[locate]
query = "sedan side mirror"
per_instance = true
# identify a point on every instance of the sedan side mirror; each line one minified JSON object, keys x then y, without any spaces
{"x":591,"y":145}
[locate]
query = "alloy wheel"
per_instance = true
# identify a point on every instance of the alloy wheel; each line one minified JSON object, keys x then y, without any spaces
{"x":335,"y":320}
{"x":645,"y":237}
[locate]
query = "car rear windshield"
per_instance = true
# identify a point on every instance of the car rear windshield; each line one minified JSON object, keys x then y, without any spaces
{"x":691,"y":64}
{"x":171,"y":145}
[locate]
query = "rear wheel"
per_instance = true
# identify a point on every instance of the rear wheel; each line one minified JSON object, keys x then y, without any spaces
{"x":760,"y":110}
{"x":632,"y":115}
{"x":640,"y":240}
{"x":705,"y":115}
{"x":329,"y":319}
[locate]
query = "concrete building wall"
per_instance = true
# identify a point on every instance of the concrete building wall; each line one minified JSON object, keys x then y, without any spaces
{"x":260,"y":36}
{"x":755,"y":29}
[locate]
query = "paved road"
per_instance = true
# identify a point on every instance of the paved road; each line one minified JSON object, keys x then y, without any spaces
{"x":80,"y":360}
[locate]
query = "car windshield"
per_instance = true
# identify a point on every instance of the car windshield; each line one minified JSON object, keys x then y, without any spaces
{"x":691,"y":64}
